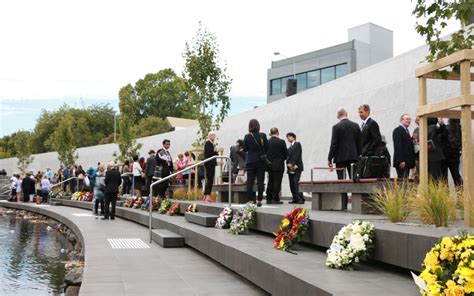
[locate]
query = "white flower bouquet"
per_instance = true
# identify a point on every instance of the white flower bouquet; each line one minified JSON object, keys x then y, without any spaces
{"x":242,"y":219}
{"x":225,"y":217}
{"x":352,"y":244}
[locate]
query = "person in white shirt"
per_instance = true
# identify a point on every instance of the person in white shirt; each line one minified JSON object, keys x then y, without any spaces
{"x":137,"y":176}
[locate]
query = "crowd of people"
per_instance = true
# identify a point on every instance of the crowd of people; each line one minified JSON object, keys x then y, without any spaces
{"x":358,"y":149}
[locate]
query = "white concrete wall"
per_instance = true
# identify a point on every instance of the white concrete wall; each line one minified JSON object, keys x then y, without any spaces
{"x":390,"y":87}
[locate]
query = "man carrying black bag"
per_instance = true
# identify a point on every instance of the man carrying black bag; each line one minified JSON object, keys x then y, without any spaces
{"x":372,"y":163}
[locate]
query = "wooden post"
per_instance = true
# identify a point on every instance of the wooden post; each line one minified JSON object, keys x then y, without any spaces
{"x":423,"y":135}
{"x":467,"y":171}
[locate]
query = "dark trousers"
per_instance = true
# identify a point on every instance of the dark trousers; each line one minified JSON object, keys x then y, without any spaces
{"x":110,"y":198}
{"x":126,"y":185}
{"x":274,"y":185}
{"x":453,"y":166}
{"x":149,"y":181}
{"x":255,"y":171}
{"x":45,"y":196}
{"x":163,"y":186}
{"x":340,"y":176}
{"x":210,"y":172}
{"x":294,"y":180}
{"x":96,"y":206}
{"x":403,"y":173}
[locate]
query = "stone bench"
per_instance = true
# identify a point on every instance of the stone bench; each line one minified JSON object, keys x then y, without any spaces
{"x":167,"y":239}
{"x":238,"y":194}
{"x":200,"y":218}
{"x":327,"y":195}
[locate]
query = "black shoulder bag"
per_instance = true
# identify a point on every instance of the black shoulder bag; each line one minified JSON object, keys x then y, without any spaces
{"x":263,"y":156}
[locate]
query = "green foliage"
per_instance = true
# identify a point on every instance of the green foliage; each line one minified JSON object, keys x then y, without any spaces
{"x":62,"y":140}
{"x":437,"y":13}
{"x":128,"y":146}
{"x":22,"y":145}
{"x":164,"y":94}
{"x":393,"y":201}
{"x":149,"y":126}
{"x":207,"y":81}
{"x":435,"y":205}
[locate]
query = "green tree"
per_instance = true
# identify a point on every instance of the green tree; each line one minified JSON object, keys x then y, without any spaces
{"x":208,"y":82}
{"x":7,"y":148}
{"x":128,"y":146}
{"x":435,"y":15}
{"x":22,"y":143}
{"x":149,"y":126}
{"x":62,"y":140}
{"x":45,"y":126}
{"x":164,"y":94}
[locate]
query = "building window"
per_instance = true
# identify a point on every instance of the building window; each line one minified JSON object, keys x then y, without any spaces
{"x":327,"y":74}
{"x":341,"y":70}
{"x":284,"y":83}
{"x":314,"y":78}
{"x":276,"y":86}
{"x":301,"y":81}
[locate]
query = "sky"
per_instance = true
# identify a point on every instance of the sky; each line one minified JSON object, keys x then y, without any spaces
{"x":83,"y":52}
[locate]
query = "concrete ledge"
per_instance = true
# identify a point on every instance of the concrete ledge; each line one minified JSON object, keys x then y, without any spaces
{"x":167,"y":239}
{"x":201,"y":218}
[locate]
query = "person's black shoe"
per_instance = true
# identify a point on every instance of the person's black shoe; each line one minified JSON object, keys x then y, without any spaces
{"x":259,"y":204}
{"x":277,"y":202}
{"x":301,"y":202}
{"x":292,"y":202}
{"x":104,"y":218}
{"x":112,"y":218}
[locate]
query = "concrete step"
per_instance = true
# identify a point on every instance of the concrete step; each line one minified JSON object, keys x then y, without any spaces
{"x":203,"y":219}
{"x":56,"y":203}
{"x":167,"y":239}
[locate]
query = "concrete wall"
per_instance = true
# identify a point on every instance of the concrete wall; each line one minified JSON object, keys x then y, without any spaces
{"x":390,"y":87}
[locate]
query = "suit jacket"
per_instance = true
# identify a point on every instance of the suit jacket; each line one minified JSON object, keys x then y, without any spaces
{"x":254,"y":150}
{"x":167,"y":167}
{"x":295,"y":156}
{"x":112,"y":181}
{"x":277,"y":153}
{"x":209,"y":152}
{"x":237,"y":155}
{"x":150,"y":166}
{"x":403,"y":148}
{"x":370,"y":139}
{"x":344,"y":142}
{"x":28,"y":185}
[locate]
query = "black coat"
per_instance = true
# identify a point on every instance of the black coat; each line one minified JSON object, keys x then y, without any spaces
{"x":344,"y":142}
{"x":112,"y":181}
{"x":295,"y":156}
{"x":28,"y":186}
{"x":167,"y":167}
{"x":254,"y":150}
{"x":370,"y":139}
{"x":150,"y":166}
{"x":403,"y":148}
{"x":209,"y":152}
{"x":277,"y":153}
{"x":436,"y":134}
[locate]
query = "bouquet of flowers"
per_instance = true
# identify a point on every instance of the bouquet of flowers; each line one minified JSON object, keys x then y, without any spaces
{"x":156,"y":203}
{"x":225,"y":217}
{"x":138,"y":202}
{"x":129,"y":202}
{"x":243,"y":218}
{"x":87,"y":196}
{"x":164,"y":207}
{"x":174,"y":209}
{"x":352,"y":244}
{"x":192,"y":208}
{"x":76,"y":196}
{"x":448,"y":268}
{"x":291,"y":230}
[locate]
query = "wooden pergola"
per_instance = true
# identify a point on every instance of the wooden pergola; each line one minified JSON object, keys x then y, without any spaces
{"x":457,"y":107}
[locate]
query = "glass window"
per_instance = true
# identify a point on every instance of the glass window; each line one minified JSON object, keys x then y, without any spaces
{"x":276,"y":86}
{"x":341,"y":70}
{"x":284,"y":82}
{"x":301,"y":81}
{"x":313,"y":78}
{"x":327,"y":74}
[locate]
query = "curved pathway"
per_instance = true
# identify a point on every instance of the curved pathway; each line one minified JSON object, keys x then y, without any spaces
{"x":126,"y":269}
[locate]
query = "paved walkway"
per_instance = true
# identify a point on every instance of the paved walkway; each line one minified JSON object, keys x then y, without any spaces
{"x":146,"y":271}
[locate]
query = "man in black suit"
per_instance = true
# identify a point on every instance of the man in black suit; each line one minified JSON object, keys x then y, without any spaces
{"x":165,"y":160}
{"x":404,"y":151}
{"x":278,"y":154}
{"x":150,"y":167}
{"x":370,"y":139}
{"x":112,"y":183}
{"x":294,"y":163}
{"x":344,"y":147}
{"x":344,"y":140}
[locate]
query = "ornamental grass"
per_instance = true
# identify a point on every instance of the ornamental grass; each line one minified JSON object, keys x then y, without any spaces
{"x":393,"y":200}
{"x":436,"y":204}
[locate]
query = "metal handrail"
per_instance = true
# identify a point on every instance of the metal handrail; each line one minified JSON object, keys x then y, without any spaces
{"x":328,"y":168}
{"x":62,"y":182}
{"x":150,"y":197}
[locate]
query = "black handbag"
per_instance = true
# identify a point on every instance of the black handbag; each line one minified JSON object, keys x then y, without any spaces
{"x":372,"y":167}
{"x":262,"y":156}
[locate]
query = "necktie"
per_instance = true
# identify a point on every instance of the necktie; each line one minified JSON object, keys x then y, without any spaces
{"x":363,"y":125}
{"x":408,"y":132}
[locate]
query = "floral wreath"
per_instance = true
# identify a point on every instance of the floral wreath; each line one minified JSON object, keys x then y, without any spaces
{"x":353,"y":243}
{"x":243,"y":218}
{"x":165,"y":205}
{"x":225,"y":217}
{"x":192,"y":208}
{"x":174,"y":209}
{"x":138,"y":202}
{"x":291,"y":230}
{"x":448,"y":268}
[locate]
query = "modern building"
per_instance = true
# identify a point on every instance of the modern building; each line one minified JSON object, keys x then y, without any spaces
{"x":368,"y":44}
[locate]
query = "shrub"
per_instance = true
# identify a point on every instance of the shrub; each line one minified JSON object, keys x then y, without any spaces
{"x":393,"y":200}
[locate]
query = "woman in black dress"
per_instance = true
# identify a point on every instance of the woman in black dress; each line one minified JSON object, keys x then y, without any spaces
{"x":210,"y":150}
